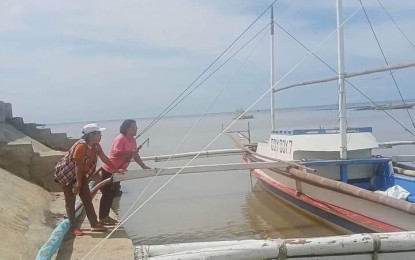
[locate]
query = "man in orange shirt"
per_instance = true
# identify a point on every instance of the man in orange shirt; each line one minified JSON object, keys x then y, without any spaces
{"x":123,"y":149}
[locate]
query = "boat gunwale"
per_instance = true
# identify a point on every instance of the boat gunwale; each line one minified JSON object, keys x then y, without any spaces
{"x":342,"y":217}
{"x":346,"y":188}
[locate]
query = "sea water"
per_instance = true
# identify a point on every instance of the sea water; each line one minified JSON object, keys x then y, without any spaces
{"x":225,"y":205}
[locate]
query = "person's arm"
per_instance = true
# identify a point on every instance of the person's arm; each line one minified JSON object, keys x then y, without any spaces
{"x":140,"y":162}
{"x":78,"y":176}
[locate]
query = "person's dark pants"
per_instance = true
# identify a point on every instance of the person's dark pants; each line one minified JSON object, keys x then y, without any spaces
{"x":107,"y":196}
{"x":86,"y":199}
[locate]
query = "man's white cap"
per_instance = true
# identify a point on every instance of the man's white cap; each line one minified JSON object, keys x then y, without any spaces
{"x":89,"y":128}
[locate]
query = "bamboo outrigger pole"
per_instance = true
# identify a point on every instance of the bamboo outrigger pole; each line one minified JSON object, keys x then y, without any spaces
{"x":136,"y":174}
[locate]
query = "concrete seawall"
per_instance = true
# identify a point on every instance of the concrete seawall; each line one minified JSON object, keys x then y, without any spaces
{"x":26,"y":220}
{"x":31,"y":203}
{"x":27,"y":158}
{"x":28,"y":151}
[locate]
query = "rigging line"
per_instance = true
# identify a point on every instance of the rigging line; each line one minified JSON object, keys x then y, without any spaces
{"x":291,"y":70}
{"x":191,"y":91}
{"x":312,"y":52}
{"x":125,"y":217}
{"x":211,"y":74}
{"x":332,"y":69}
{"x":206,"y":111}
{"x":386,"y":61}
{"x":174,"y":176}
{"x":223,"y":131}
{"x":200,"y":75}
{"x":305,"y":47}
{"x":399,"y":123}
{"x":390,"y":17}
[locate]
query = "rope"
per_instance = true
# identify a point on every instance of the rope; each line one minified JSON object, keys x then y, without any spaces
{"x":397,"y":26}
{"x":124,"y":219}
{"x":210,"y":143}
{"x":197,"y":86}
{"x":282,"y":251}
{"x":376,"y":246}
{"x":167,"y":109}
{"x":333,"y":70}
{"x":194,"y":126}
{"x":386,"y":61}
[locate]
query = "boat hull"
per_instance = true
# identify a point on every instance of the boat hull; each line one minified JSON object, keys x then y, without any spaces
{"x":352,"y":212}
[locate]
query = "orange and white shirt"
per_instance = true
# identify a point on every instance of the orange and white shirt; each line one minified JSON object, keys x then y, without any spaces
{"x":87,"y":156}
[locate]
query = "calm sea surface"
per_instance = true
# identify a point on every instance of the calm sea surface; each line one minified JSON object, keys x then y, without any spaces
{"x":225,"y":205}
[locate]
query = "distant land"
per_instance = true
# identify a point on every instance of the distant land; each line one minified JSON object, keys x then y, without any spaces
{"x":380,"y":104}
{"x":355,"y":106}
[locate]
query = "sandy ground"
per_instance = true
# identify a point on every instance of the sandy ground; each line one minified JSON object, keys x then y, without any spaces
{"x":26,"y":221}
{"x":28,"y":216}
{"x":94,"y":245}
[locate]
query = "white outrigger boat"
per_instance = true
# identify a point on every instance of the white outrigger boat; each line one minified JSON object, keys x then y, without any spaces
{"x":345,"y":174}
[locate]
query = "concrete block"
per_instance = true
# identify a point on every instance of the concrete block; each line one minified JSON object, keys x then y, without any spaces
{"x":30,"y":129}
{"x":43,"y":134}
{"x":8,"y":110}
{"x":69,"y":142}
{"x":41,"y":171}
{"x":16,"y":122}
{"x":16,"y":159}
{"x":5,"y":111}
{"x":57,"y":141}
{"x":60,"y":144}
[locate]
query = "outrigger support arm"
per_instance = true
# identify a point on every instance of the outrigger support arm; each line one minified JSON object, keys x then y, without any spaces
{"x":394,"y":143}
{"x":136,"y":174}
{"x":179,"y":156}
{"x":350,"y":75}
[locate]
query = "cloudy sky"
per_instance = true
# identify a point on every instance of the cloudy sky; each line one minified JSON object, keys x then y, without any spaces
{"x":66,"y":61}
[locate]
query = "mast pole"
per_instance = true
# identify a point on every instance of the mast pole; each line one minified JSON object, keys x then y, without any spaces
{"x":341,"y":75}
{"x":272,"y":72}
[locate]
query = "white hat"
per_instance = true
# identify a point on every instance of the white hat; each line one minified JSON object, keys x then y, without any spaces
{"x":89,"y":128}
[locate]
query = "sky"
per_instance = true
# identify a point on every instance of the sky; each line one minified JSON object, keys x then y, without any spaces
{"x":71,"y":61}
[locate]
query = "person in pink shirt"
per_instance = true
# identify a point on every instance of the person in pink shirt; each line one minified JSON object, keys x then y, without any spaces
{"x":123,"y":149}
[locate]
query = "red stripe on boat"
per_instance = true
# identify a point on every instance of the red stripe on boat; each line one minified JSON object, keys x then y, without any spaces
{"x":324,"y":205}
